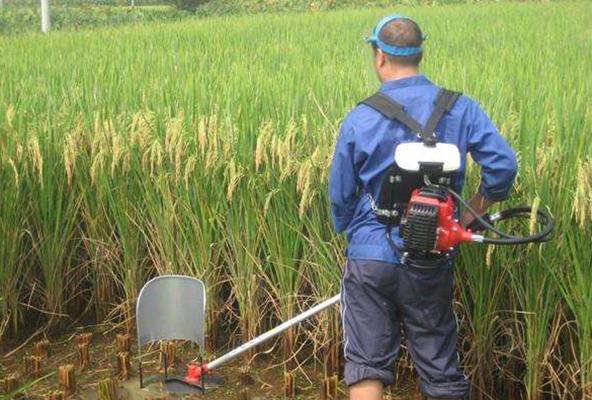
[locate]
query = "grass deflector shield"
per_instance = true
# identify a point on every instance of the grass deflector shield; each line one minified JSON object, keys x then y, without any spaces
{"x":169,"y":293}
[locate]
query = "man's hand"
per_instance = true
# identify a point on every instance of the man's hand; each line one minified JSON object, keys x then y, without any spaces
{"x":478,"y":203}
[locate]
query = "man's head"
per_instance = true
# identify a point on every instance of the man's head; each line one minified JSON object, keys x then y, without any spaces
{"x":396,"y":42}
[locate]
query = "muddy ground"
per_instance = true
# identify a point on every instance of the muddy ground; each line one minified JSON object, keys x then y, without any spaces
{"x":264,"y":380}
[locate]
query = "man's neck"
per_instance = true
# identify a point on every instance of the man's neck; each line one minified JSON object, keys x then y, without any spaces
{"x":400,"y":73}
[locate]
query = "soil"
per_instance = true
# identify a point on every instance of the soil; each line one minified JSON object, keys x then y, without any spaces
{"x":263,"y":380}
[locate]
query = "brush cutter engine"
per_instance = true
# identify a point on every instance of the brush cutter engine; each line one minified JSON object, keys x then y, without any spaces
{"x":429,"y":223}
{"x":416,"y":191}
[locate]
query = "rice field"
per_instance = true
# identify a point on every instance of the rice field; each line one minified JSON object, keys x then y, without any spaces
{"x":202,"y":148}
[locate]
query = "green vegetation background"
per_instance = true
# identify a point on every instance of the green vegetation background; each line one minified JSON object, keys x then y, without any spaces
{"x":20,"y":16}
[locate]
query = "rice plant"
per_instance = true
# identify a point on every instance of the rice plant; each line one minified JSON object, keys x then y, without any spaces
{"x":325,"y":261}
{"x":54,"y":211}
{"x":12,"y":234}
{"x":242,"y":245}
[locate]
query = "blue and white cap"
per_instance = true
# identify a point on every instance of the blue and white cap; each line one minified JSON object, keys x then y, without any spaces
{"x":389,"y":48}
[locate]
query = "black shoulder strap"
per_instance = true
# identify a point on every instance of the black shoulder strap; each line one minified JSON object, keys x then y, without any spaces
{"x":444,"y":103}
{"x":392,"y":110}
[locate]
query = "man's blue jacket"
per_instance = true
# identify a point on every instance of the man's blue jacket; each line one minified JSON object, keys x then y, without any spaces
{"x":365,"y":150}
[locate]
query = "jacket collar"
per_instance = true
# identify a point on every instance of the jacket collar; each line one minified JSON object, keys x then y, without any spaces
{"x":415,"y":80}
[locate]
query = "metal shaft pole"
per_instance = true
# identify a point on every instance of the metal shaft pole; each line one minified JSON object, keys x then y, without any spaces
{"x":273,"y":332}
{"x":45,"y":21}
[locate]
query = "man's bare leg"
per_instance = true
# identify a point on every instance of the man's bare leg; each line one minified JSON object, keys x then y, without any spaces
{"x":366,"y":390}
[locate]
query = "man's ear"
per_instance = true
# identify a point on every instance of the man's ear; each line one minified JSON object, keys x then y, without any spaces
{"x":380,"y":58}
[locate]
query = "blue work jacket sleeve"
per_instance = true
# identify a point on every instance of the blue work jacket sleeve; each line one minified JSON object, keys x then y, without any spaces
{"x":493,"y":154}
{"x":343,"y":187}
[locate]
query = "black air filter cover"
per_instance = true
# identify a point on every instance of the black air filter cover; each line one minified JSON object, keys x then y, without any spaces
{"x":420,"y":227}
{"x":396,"y":188}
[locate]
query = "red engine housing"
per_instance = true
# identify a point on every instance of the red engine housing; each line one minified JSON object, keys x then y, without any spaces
{"x":448,"y":232}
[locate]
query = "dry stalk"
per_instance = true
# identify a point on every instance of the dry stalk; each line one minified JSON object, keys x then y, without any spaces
{"x":329,"y":388}
{"x":289,"y":386}
{"x":244,"y":395}
{"x":54,"y":396}
{"x":108,"y":389}
{"x":168,"y":354}
{"x":123,"y":365}
{"x":10,"y":384}
{"x":323,"y":395}
{"x":122,"y":342}
{"x":333,"y":358}
{"x":83,"y":338}
{"x":32,"y":366}
{"x":67,"y":379}
{"x":104,"y":287}
{"x":289,"y":346}
{"x":41,"y":348}
{"x":83,"y":355}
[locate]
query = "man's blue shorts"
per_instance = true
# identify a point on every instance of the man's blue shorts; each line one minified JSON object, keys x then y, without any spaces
{"x":377,"y":299}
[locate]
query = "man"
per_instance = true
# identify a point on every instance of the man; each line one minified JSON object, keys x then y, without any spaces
{"x":380,"y":292}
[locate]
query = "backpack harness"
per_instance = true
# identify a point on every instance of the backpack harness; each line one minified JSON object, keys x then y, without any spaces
{"x":397,"y":184}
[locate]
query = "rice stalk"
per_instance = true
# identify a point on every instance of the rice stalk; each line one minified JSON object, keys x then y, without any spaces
{"x":12,"y":221}
{"x":54,"y":210}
